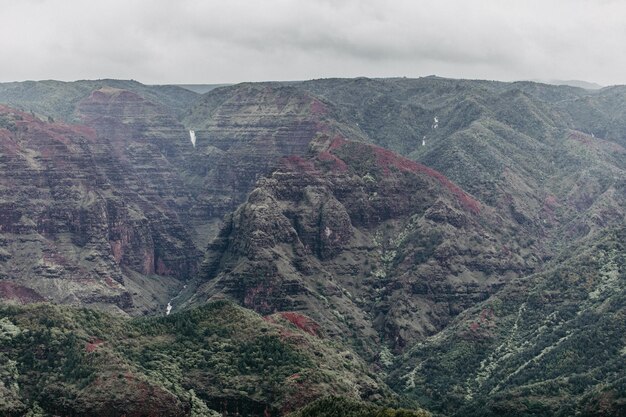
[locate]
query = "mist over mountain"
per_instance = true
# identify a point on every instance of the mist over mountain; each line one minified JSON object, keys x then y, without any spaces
{"x":362,"y":246}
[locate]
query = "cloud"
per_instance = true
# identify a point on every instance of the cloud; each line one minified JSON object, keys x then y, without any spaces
{"x":162,"y":41}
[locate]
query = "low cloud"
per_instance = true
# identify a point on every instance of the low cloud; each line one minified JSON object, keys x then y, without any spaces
{"x":194,"y":41}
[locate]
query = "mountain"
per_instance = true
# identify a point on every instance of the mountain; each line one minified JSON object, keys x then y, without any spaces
{"x":119,"y":208}
{"x":244,"y":131}
{"x":373,"y":246}
{"x":461,"y":239}
{"x":551,"y":344}
{"x":520,"y":148}
{"x":91,"y":212}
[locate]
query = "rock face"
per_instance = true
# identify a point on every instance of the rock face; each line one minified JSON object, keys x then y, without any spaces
{"x":370,"y":244}
{"x":87,"y":212}
{"x":125,"y":202}
{"x":243,"y":132}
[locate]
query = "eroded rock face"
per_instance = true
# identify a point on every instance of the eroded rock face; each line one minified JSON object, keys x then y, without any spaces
{"x":86,"y":210}
{"x":147,"y":154}
{"x":118,"y":211}
{"x":244,"y":131}
{"x":366,"y":242}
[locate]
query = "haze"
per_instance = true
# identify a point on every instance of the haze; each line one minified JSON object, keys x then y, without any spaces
{"x":191,"y":41}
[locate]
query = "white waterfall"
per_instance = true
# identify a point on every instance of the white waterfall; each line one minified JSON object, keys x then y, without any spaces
{"x":169,"y":307}
{"x":192,"y":135}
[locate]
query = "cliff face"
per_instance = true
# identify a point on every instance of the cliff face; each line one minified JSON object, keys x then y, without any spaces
{"x":372,"y":245}
{"x":143,"y":156}
{"x":125,"y":200}
{"x":91,"y":213}
{"x":242,"y":132}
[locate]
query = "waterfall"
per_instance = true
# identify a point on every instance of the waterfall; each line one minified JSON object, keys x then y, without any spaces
{"x":192,"y":135}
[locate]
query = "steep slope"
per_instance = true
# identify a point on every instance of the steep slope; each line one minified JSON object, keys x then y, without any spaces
{"x":484,"y":274}
{"x":398,"y":113}
{"x":132,"y":202}
{"x":84,"y":220}
{"x":517,"y":147}
{"x":242,"y":132}
{"x":551,"y":344}
{"x":602,"y":114}
{"x":371,"y":245}
{"x":152,"y":150}
{"x":493,"y":139}
{"x":553,"y":191}
{"x":65,"y":361}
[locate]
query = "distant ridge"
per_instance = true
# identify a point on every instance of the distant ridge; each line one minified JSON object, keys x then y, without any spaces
{"x":573,"y":83}
{"x":201,"y":88}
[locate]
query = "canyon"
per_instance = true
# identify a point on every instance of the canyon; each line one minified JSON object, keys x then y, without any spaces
{"x":454,"y":245}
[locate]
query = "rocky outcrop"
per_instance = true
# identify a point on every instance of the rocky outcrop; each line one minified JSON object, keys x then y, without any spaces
{"x":367,"y":243}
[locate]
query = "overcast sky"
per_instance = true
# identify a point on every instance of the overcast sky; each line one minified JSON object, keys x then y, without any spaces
{"x":194,"y":41}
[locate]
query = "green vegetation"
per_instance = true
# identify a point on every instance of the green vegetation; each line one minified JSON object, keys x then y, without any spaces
{"x":7,"y":122}
{"x":343,"y":407}
{"x":551,"y":349}
{"x":219,"y":356}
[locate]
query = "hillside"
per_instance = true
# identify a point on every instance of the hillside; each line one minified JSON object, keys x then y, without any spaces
{"x":216,"y":358}
{"x":508,"y":144}
{"x":551,"y":344}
